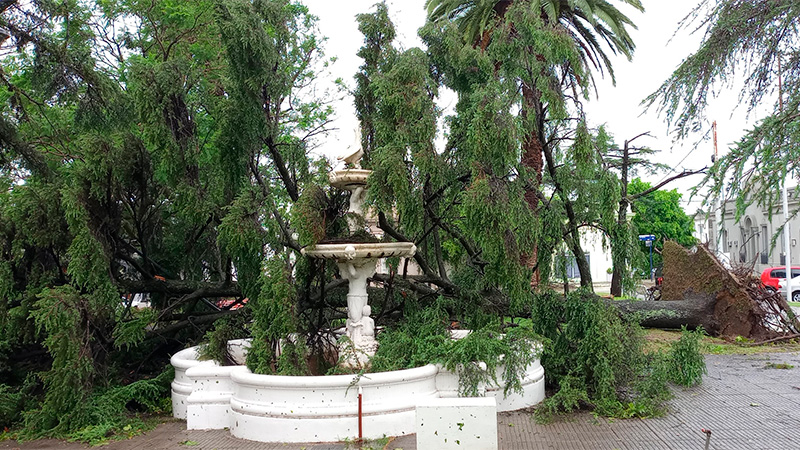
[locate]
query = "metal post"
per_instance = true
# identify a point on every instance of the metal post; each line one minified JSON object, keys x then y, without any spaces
{"x":651,"y":260}
{"x":719,"y":227}
{"x":360,"y":415}
{"x":787,"y":239}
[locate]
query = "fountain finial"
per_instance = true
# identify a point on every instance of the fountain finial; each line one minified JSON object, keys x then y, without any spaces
{"x":353,"y":160}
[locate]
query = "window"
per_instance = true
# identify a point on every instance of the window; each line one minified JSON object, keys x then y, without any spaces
{"x":743,"y":247}
{"x":778,"y":273}
{"x":572,"y":267}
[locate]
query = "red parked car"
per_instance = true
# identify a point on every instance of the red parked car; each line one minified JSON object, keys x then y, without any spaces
{"x":772,"y":275}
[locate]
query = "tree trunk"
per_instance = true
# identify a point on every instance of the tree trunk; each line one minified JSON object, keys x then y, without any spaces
{"x":691,"y":312}
{"x":616,"y":280}
{"x":619,"y":261}
{"x":532,"y":160}
{"x":573,"y":240}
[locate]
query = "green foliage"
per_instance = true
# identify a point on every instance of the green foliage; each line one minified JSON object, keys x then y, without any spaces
{"x":596,"y":359}
{"x":114,"y":411}
{"x":659,"y":213}
{"x":145,"y":149}
{"x":14,"y":400}
{"x":274,"y":321}
{"x":216,"y":341}
{"x":130,"y":331}
{"x":780,"y":366}
{"x":61,"y":317}
{"x":686,"y":364}
{"x":424,"y":339}
{"x":377,"y":54}
{"x":419,"y":340}
{"x":308,"y":216}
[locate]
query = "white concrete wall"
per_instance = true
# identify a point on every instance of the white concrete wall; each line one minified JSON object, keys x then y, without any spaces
{"x":599,"y":255}
{"x":271,"y":408}
{"x":457,"y":423}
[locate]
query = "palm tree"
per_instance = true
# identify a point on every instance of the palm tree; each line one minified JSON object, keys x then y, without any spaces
{"x":590,"y":23}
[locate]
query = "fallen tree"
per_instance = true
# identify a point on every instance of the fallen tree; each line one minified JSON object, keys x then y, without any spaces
{"x":699,"y":291}
{"x":692,"y":312}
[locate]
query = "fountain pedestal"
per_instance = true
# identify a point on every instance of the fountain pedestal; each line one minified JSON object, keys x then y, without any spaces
{"x":356,"y":264}
{"x":360,"y":327}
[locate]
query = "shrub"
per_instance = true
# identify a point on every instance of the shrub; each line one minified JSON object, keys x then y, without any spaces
{"x":686,"y":364}
{"x":594,"y":358}
{"x":423,"y":339}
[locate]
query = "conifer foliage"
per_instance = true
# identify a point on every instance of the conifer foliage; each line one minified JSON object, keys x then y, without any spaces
{"x":752,"y":44}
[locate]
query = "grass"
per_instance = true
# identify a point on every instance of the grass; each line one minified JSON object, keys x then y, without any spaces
{"x":785,"y":366}
{"x":660,"y":340}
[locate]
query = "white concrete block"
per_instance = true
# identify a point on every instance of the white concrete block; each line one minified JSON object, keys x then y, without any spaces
{"x":457,"y":423}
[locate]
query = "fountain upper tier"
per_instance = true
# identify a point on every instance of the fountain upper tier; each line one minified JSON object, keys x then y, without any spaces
{"x":349,"y":178}
{"x":348,"y":252}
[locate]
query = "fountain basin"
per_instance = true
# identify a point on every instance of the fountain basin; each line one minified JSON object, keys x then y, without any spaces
{"x":347,"y":252}
{"x":343,"y":179}
{"x":274,"y":408}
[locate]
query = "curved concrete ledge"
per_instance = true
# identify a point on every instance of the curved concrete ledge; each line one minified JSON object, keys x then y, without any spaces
{"x":342,"y":179}
{"x":182,"y":384}
{"x":273,"y":408}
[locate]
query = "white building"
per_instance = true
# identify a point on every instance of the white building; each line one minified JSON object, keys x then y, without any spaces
{"x":598,"y":254}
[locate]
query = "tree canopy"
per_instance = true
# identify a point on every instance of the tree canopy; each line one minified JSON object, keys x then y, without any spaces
{"x":147,"y":148}
{"x":545,"y":50}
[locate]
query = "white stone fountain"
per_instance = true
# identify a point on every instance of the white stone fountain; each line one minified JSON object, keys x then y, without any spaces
{"x":357,"y":263}
{"x":274,"y":408}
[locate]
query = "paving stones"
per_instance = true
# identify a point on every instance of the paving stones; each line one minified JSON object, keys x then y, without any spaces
{"x":747,"y":405}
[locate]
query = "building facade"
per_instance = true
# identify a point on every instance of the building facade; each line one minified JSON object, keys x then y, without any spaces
{"x":755,"y":240}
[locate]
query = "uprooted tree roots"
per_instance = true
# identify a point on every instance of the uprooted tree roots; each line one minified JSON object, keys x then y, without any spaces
{"x":699,"y":291}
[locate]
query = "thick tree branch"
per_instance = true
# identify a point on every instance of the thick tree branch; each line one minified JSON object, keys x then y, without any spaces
{"x":180,"y":287}
{"x":166,"y":332}
{"x":280,"y":165}
{"x":287,"y":236}
{"x":384,"y":225}
{"x":685,"y":173}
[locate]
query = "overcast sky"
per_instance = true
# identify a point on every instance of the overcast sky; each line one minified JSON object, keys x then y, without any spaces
{"x":658,"y":52}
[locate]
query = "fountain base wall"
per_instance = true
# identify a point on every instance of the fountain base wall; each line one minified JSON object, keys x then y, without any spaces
{"x":273,"y":408}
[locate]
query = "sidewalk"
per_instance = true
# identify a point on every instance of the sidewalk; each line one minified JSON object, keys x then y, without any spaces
{"x":745,"y":401}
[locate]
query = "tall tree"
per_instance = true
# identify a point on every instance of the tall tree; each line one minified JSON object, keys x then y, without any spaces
{"x":756,"y":40}
{"x":587,"y":24}
{"x":378,"y":54}
{"x":628,"y":161}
